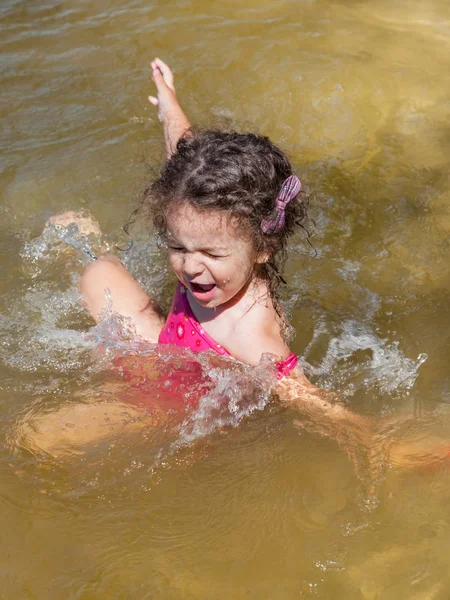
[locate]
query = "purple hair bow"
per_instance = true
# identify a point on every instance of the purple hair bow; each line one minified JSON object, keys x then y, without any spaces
{"x":289,"y":190}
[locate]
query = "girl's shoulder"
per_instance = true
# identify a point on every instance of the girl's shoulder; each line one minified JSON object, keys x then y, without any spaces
{"x":257,"y":332}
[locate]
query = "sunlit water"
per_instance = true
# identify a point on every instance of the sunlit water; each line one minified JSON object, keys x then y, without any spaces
{"x":235,"y":498}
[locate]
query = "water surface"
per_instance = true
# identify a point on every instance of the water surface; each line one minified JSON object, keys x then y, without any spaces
{"x":357,"y":94}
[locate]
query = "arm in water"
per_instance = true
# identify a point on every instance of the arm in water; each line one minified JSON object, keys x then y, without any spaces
{"x":372,"y":445}
{"x":320,"y":412}
{"x":174,"y":121}
{"x":298,"y":392}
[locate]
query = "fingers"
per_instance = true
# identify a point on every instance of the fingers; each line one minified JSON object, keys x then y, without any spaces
{"x":160,"y":67}
{"x":159,"y":81}
{"x":163,"y":78}
{"x":166,"y":72}
{"x":156,"y":73}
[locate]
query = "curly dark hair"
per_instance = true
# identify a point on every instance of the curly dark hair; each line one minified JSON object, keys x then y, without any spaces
{"x":238,"y":173}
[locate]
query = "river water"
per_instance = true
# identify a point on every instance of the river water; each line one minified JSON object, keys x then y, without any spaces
{"x":254,"y":506}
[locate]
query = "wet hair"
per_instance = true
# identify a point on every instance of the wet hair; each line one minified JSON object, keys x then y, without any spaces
{"x":240,"y":174}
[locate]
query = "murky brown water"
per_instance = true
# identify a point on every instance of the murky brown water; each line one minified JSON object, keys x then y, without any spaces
{"x":358,"y":94}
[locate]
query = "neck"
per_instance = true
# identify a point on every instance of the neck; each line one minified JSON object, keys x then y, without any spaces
{"x":253,"y":292}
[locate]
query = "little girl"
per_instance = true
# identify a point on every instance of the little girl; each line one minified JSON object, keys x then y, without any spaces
{"x":225,"y":204}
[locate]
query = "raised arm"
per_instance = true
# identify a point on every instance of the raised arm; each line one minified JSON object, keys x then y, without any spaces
{"x":174,"y":121}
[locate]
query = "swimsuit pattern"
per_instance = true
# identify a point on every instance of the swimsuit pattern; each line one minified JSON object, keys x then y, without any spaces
{"x":183,"y":329}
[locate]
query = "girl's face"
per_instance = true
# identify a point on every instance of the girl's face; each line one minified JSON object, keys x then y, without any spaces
{"x":208,"y":254}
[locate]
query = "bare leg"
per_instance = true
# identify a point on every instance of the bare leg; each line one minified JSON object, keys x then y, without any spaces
{"x":72,"y":429}
{"x":409,"y":442}
{"x":127,"y":297}
{"x":108,"y":273}
{"x":400,"y":442}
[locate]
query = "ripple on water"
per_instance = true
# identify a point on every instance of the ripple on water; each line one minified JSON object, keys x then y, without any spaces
{"x":231,"y":499}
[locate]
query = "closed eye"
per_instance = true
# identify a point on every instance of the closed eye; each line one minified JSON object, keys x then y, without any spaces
{"x":205,"y":252}
{"x":211,"y":255}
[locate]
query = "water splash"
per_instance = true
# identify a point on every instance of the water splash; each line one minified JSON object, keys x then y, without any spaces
{"x":35,"y":337}
{"x":358,"y":359}
{"x":237,"y":391}
{"x":216,"y":392}
{"x":55,"y":237}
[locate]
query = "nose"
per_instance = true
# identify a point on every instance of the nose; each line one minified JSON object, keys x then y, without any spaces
{"x":192,"y":265}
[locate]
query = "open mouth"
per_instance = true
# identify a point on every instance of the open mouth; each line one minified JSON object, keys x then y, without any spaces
{"x":202,"y":291}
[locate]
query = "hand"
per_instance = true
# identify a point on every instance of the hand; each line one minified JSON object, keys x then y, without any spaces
{"x":163,"y":79}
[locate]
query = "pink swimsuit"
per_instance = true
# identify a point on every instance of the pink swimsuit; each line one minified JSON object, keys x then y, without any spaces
{"x":183,"y":329}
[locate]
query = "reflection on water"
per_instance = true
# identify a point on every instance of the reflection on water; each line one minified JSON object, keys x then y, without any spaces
{"x":234,"y":497}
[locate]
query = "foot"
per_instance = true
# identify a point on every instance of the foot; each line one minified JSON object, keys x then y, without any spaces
{"x":166,"y":100}
{"x":86,"y":224}
{"x":76,"y":230}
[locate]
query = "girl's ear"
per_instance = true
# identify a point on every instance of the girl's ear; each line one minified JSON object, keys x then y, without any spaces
{"x":262,"y":258}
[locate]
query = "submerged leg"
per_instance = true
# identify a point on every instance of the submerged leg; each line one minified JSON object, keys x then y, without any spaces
{"x":71,"y":429}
